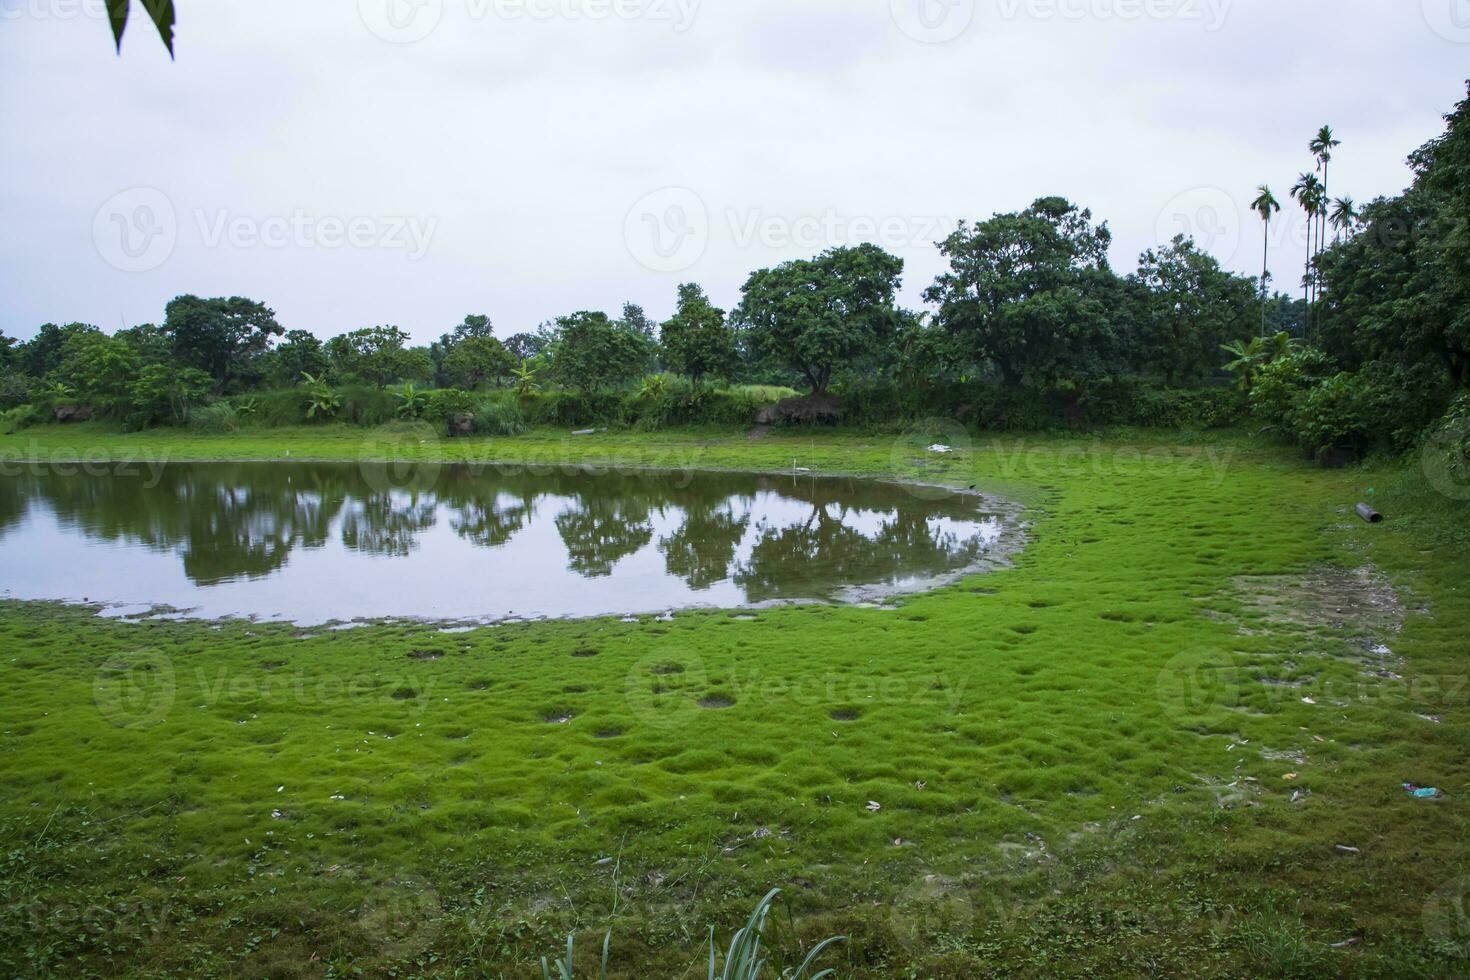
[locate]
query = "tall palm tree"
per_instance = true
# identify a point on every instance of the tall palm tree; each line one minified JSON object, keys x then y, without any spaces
{"x":1344,"y":216}
{"x":1307,"y":190}
{"x":1322,"y":146}
{"x":1264,"y":204}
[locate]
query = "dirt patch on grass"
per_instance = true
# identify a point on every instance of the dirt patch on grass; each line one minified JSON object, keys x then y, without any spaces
{"x":1356,"y":602}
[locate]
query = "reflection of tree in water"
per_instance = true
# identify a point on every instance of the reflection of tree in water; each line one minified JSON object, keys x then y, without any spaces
{"x":387,"y":524}
{"x":825,"y":552}
{"x":601,"y":531}
{"x":14,"y":501}
{"x":491,"y":524}
{"x":703,"y":548}
{"x":229,"y":521}
{"x":478,"y":509}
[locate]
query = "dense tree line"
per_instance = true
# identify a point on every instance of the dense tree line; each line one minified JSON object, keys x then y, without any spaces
{"x":1375,"y":349}
{"x":1029,"y":301}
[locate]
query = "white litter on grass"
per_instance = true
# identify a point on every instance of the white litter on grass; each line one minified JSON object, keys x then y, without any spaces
{"x":939,"y":448}
{"x":874,"y":806}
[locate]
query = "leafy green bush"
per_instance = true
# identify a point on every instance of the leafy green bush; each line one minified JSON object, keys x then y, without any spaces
{"x":1384,"y":407}
{"x":215,"y":419}
{"x":15,"y":389}
{"x":366,"y":405}
{"x":1281,"y":385}
{"x":1331,"y":415}
{"x":443,"y":405}
{"x":14,"y":419}
{"x":499,"y":417}
{"x":1447,"y":450}
{"x":165,"y":394}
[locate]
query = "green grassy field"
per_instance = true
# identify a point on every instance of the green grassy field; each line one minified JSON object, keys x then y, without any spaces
{"x":1143,"y":748}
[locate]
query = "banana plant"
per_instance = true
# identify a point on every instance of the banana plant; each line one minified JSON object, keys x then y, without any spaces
{"x":525,"y":380}
{"x":653,"y":387}
{"x":1246,"y":357}
{"x":321,"y":400}
{"x":411,"y":401}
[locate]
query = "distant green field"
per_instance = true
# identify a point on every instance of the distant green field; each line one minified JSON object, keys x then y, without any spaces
{"x":1164,"y":741}
{"x":768,"y":393}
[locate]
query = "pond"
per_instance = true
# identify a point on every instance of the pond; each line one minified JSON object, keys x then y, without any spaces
{"x":313,"y":543}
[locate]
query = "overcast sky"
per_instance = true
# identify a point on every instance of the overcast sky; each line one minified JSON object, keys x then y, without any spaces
{"x":357,"y":162}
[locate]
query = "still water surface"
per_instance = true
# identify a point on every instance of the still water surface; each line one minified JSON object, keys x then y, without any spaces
{"x":313,"y":543}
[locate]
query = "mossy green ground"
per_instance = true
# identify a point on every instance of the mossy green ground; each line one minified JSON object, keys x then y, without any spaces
{"x":1080,"y":762}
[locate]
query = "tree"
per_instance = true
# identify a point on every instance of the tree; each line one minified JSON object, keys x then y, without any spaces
{"x":1397,"y":293}
{"x":1264,"y":205}
{"x":225,"y":338}
{"x":819,"y":315}
{"x":525,"y":346}
{"x":301,"y":352}
{"x":1344,"y":217}
{"x":475,"y":360}
{"x":151,"y":343}
{"x":1321,"y":147}
{"x":594,"y":352}
{"x":1030,"y":293}
{"x":635,"y":320}
{"x":9,"y":352}
{"x":474,"y":326}
{"x":1308,"y":193}
{"x":162,"y":392}
{"x":99,"y":368}
{"x":1193,"y":306}
{"x":41,"y":355}
{"x":375,"y":355}
{"x":697,"y":340}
